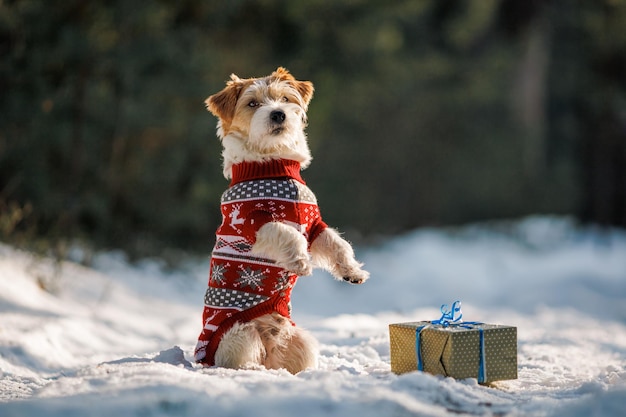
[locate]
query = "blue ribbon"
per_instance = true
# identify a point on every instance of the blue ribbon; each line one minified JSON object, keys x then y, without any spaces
{"x":418,"y":349}
{"x":482,"y":370}
{"x":453,"y":318}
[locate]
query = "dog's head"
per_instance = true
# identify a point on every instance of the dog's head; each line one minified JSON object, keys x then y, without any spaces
{"x":262,"y":118}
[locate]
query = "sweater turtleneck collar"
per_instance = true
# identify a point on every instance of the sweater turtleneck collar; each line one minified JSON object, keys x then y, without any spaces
{"x":275,"y":168}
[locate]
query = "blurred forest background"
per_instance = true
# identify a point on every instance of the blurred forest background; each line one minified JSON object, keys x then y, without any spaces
{"x":426,"y":113}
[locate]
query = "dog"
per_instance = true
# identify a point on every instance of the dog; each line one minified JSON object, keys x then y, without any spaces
{"x":271,"y":232}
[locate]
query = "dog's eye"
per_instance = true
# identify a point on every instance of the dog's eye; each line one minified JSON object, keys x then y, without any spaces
{"x":253,"y":103}
{"x":285,"y":99}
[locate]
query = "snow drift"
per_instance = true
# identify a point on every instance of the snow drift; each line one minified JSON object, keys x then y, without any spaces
{"x":117,"y":339}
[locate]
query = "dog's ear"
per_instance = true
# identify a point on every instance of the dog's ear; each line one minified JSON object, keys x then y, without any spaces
{"x":304,"y":88}
{"x":282,"y":74}
{"x":223,"y":104}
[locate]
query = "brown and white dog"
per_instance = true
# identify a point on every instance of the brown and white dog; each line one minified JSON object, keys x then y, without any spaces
{"x":272,"y":231}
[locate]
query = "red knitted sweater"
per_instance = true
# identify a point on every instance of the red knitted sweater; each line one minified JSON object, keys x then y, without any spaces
{"x":242,"y":286}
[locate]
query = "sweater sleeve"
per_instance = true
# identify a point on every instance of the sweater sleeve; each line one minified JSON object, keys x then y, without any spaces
{"x":318,"y":227}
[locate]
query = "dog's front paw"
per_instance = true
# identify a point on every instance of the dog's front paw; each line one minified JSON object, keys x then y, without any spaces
{"x":300,"y":267}
{"x":359,"y":277}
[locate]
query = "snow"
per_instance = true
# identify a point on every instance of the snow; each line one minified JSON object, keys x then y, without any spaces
{"x":117,"y":339}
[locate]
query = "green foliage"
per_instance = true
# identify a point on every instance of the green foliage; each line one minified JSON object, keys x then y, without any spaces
{"x":425,"y":112}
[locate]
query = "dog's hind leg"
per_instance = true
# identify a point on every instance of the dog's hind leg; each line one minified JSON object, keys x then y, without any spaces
{"x":240,"y":347}
{"x":287,"y":346}
{"x":301,"y":352}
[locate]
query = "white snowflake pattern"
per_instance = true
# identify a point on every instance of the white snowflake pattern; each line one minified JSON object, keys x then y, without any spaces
{"x":282,"y":283}
{"x":252,"y":278}
{"x":217,"y":273}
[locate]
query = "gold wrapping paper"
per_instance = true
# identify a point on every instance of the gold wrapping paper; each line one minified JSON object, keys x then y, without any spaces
{"x":455,"y":351}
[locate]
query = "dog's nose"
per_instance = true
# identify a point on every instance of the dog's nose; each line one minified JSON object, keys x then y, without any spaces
{"x":277,"y":116}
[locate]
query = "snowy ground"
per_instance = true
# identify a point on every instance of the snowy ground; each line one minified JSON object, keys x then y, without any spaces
{"x":117,"y":340}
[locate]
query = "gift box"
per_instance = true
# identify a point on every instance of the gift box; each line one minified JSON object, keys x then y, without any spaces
{"x":487,"y":352}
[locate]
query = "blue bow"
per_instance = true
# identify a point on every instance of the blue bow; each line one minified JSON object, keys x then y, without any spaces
{"x":450,"y":316}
